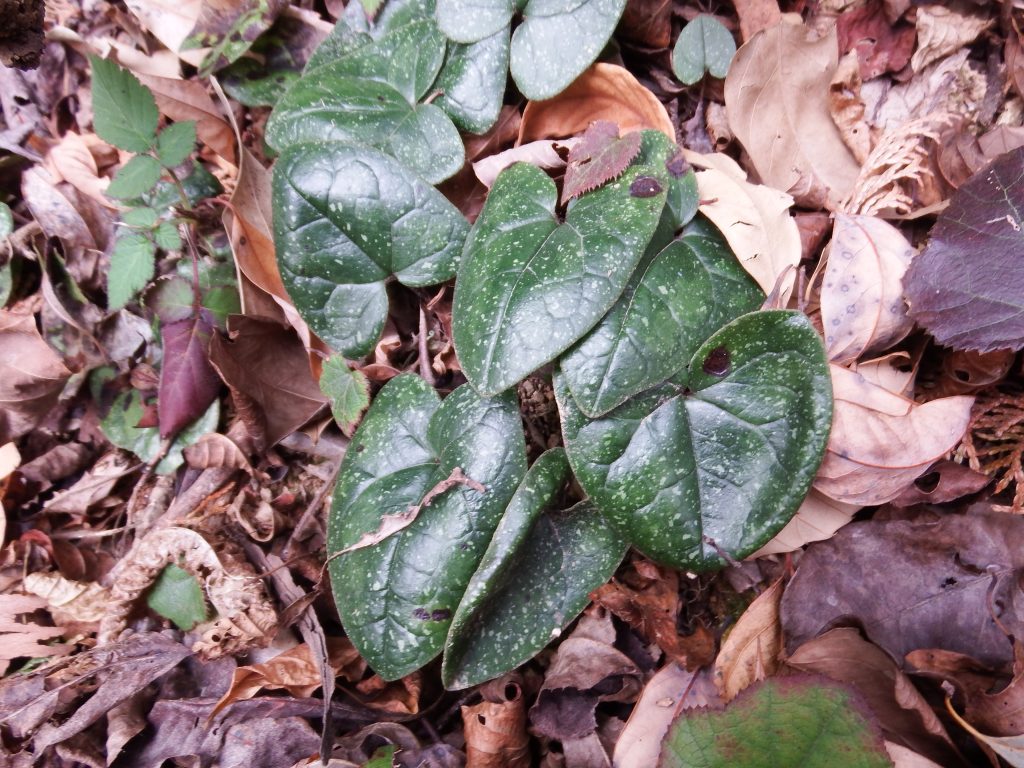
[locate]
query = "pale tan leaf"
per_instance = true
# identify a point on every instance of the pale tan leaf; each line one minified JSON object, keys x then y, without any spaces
{"x":887,"y":372}
{"x":69,"y":601}
{"x":776,"y":97}
{"x":20,"y":636}
{"x":71,"y":160}
{"x":750,"y":652}
{"x":756,"y":15}
{"x":847,"y":108}
{"x":188,"y":100}
{"x":817,"y":519}
{"x":881,"y":442}
{"x":942,"y":29}
{"x":216,"y":450}
{"x":907,"y":758}
{"x":862,"y":306}
{"x":171,"y":22}
{"x":754,"y":219}
{"x":93,"y":487}
{"x":10,"y":460}
{"x":603,"y":92}
{"x":542,"y":153}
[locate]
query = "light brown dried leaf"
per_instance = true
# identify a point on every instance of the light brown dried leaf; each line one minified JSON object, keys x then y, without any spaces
{"x":543,"y":153}
{"x":942,"y":29}
{"x":171,"y":22}
{"x":21,"y":637}
{"x":781,"y":79}
{"x":216,"y":450}
{"x":603,"y":92}
{"x":293,"y":670}
{"x":881,"y":442}
{"x":496,"y":734}
{"x":69,"y":601}
{"x":32,"y":376}
{"x":847,"y":108}
{"x":751,"y":650}
{"x":10,"y":460}
{"x":56,"y":214}
{"x":817,"y":519}
{"x":188,"y":100}
{"x":71,"y":160}
{"x":756,"y":15}
{"x":93,"y":487}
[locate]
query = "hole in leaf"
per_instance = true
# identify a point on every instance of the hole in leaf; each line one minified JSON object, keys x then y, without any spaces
{"x":717,"y":362}
{"x":929,"y":482}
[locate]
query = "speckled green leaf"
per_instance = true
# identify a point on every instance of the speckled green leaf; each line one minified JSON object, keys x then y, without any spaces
{"x":472,"y":82}
{"x":348,"y":390}
{"x":6,"y":221}
{"x":557,"y":40}
{"x":396,"y":598}
{"x":467,"y":21}
{"x":534,"y":579}
{"x":326,"y":106}
{"x":176,"y":595}
{"x":719,"y":459}
{"x":678,"y":297}
{"x":346,"y":219}
{"x":530,"y":287}
{"x":794,"y":721}
{"x":704,"y":45}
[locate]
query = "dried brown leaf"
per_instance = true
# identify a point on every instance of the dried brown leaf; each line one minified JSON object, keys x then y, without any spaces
{"x":32,"y":375}
{"x":603,"y":92}
{"x":817,"y":519}
{"x":20,"y":636}
{"x":170,"y":22}
{"x":781,"y":79}
{"x":942,"y":29}
{"x":751,"y":650}
{"x":756,"y":15}
{"x":495,"y":732}
{"x":94,"y":487}
{"x":599,"y":157}
{"x":57,"y":215}
{"x":69,"y":601}
{"x":846,"y":107}
{"x":216,"y":450}
{"x":879,"y":45}
{"x":943,"y":482}
{"x":71,"y":160}
{"x":188,"y":100}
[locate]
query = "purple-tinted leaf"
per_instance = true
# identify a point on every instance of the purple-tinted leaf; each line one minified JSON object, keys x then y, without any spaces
{"x":965,"y":288}
{"x":598,"y":158}
{"x":188,"y":383}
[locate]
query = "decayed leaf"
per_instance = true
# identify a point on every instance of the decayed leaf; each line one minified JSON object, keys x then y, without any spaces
{"x":756,"y":15}
{"x":495,"y":731}
{"x":754,"y":219}
{"x":919,"y":585}
{"x":603,"y":92}
{"x":942,"y":30}
{"x":69,"y":602}
{"x":216,"y":450}
{"x":93,"y":487}
{"x":903,"y":713}
{"x":847,"y":107}
{"x":964,"y":287}
{"x":31,"y":375}
{"x":24,"y":637}
{"x":597,"y":158}
{"x":57,"y":215}
{"x":751,"y":650}
{"x":862,"y":307}
{"x":818,"y":518}
{"x":782,"y":79}
{"x":951,"y":481}
{"x":188,"y":383}
{"x":294,"y":670}
{"x":881,"y":442}
{"x":879,"y":45}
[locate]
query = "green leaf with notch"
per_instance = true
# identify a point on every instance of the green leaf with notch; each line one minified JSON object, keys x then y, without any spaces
{"x":535,"y":578}
{"x":175,"y":143}
{"x":677,"y":298}
{"x":348,"y":390}
{"x":396,"y":597}
{"x":704,"y":45}
{"x":346,"y":219}
{"x":717,"y":460}
{"x":135,"y":178}
{"x":798,"y":721}
{"x":132,"y":265}
{"x":176,"y":595}
{"x":124,"y":110}
{"x":325,"y":106}
{"x":530,"y":287}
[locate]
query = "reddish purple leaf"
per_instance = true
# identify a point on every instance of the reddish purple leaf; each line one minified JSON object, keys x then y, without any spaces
{"x":599,"y":157}
{"x":965,"y":288}
{"x":188,"y":383}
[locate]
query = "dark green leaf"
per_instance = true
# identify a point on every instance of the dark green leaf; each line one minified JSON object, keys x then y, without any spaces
{"x":348,"y":390}
{"x":677,"y":298}
{"x":796,"y":722}
{"x":323,"y":106}
{"x":175,"y":143}
{"x":396,"y":598}
{"x":965,"y":287}
{"x":472,"y":82}
{"x":135,"y":178}
{"x":230,"y":29}
{"x":124,"y":110}
{"x":256,"y":84}
{"x":533,"y":580}
{"x":469,"y":21}
{"x":719,"y":460}
{"x":557,"y":40}
{"x":530,"y":287}
{"x":176,"y":595}
{"x":199,"y":185}
{"x":131,"y":267}
{"x":6,"y":221}
{"x":346,"y":219}
{"x":167,"y":236}
{"x":704,"y":45}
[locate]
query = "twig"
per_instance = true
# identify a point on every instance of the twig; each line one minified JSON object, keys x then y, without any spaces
{"x":309,"y":516}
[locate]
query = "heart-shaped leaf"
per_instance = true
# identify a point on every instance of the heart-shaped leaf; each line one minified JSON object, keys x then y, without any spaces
{"x":326,"y":105}
{"x":472,"y":82}
{"x":530,"y":287}
{"x":704,"y":45}
{"x":347,"y":218}
{"x":534,"y":579}
{"x":396,"y":598}
{"x":799,"y":721}
{"x":678,"y":297}
{"x":718,"y":460}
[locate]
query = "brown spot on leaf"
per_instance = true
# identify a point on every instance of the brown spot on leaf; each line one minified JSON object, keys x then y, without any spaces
{"x":645,"y":186}
{"x":717,"y":362}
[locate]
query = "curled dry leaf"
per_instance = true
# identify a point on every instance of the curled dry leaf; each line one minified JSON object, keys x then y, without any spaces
{"x":24,"y":637}
{"x":752,"y":648}
{"x":847,"y":107}
{"x":69,"y":601}
{"x":32,"y":376}
{"x":245,"y":616}
{"x":817,"y":519}
{"x":603,"y":92}
{"x":881,"y":442}
{"x":754,"y":219}
{"x":546,"y":154}
{"x":862,"y":306}
{"x":781,"y":78}
{"x":216,"y":450}
{"x":495,"y":731}
{"x":941,"y":30}
{"x":171,"y":22}
{"x":94,"y":487}
{"x":71,"y":160}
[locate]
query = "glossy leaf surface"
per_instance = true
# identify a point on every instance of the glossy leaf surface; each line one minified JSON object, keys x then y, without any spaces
{"x":472,"y":82}
{"x":347,"y":218}
{"x":719,"y":459}
{"x":678,"y":297}
{"x":530,"y":287}
{"x":534,"y":579}
{"x":468,"y":21}
{"x":396,"y":598}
